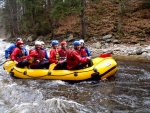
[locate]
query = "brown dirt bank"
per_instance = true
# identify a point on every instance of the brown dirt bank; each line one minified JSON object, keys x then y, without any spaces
{"x":102,"y":18}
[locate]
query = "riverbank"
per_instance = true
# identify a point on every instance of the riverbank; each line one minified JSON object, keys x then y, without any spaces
{"x":119,"y":51}
{"x":122,"y":51}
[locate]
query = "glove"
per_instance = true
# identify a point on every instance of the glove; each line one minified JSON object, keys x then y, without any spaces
{"x":88,"y":57}
{"x":7,"y":59}
{"x":58,"y":62}
{"x":38,"y":61}
{"x":16,"y":62}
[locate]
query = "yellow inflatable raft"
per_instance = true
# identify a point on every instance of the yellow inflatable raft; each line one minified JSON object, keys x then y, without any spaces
{"x":102,"y":68}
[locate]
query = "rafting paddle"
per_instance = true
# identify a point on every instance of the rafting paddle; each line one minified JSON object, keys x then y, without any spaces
{"x":2,"y":63}
{"x":52,"y":66}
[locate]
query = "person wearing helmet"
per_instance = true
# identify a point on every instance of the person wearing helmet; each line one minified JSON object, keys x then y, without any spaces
{"x":43,"y":47}
{"x":18,"y":55}
{"x":10,"y":49}
{"x":63,"y":50}
{"x":74,"y":60}
{"x":54,"y":54}
{"x":18,"y":39}
{"x":37,"y":45}
{"x":84,"y":50}
{"x":62,"y":56}
{"x":37,"y":57}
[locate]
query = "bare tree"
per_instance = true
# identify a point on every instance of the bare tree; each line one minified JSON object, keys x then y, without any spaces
{"x":120,"y":16}
{"x":12,"y":8}
{"x":83,"y":3}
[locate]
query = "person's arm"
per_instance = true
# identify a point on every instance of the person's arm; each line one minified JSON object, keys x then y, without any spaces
{"x":52,"y":57}
{"x":14,"y":54}
{"x":79,"y":58}
{"x":88,"y":52}
{"x":6,"y":53}
{"x":9,"y":50}
{"x":26,"y":52}
{"x":46,"y":54}
{"x":33,"y":53}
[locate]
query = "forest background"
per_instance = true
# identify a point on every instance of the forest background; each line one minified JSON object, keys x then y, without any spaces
{"x":124,"y":19}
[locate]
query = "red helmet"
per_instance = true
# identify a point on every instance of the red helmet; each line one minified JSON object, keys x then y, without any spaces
{"x":20,"y":42}
{"x":63,"y":43}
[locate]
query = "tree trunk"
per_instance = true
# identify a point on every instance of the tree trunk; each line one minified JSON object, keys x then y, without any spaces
{"x":33,"y":13}
{"x":12,"y":19}
{"x":49,"y":8}
{"x":83,"y":20}
{"x":15,"y":17}
{"x":120,"y":17}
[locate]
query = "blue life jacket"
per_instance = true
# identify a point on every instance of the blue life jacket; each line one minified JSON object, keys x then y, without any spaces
{"x":10,"y":49}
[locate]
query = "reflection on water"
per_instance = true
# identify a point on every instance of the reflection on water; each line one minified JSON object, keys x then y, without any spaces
{"x":127,"y":92}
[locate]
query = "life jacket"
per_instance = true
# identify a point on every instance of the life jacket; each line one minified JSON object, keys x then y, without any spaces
{"x":21,"y":54}
{"x":18,"y":54}
{"x":57,"y":56}
{"x":83,"y":52}
{"x":35,"y":55}
{"x":62,"y":53}
{"x":41,"y":55}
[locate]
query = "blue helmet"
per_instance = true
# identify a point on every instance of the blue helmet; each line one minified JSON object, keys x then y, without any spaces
{"x":76,"y":43}
{"x":54,"y":42}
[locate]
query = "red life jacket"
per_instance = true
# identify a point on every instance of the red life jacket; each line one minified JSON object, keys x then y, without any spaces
{"x":18,"y":54}
{"x":62,"y":53}
{"x":83,"y":52}
{"x":36,"y":55}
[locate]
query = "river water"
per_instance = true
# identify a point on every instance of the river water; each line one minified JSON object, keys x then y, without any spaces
{"x":127,"y":92}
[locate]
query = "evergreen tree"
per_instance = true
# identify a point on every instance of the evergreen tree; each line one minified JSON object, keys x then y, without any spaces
{"x":37,"y":16}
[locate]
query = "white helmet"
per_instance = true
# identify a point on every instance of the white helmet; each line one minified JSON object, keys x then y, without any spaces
{"x":37,"y":42}
{"x":82,"y":41}
{"x":42,"y":43}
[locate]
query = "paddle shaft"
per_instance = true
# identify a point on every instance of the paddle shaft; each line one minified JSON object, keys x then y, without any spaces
{"x":2,"y":63}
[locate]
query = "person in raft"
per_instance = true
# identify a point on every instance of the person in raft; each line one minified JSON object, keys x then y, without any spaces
{"x":74,"y":60}
{"x":43,"y":47}
{"x":55,"y":56}
{"x":37,"y":57}
{"x":84,"y":51}
{"x":10,"y":49}
{"x":19,"y":55}
{"x":63,"y":50}
{"x":63,"y":54}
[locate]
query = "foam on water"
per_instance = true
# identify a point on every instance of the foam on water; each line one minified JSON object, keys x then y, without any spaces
{"x":54,"y":105}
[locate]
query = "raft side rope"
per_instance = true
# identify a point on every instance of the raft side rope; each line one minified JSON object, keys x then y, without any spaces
{"x":49,"y":73}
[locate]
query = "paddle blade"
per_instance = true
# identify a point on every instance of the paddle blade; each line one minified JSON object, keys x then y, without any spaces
{"x":52,"y":66}
{"x":105,"y":55}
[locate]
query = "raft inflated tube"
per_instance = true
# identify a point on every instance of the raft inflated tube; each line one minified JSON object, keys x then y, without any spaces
{"x":102,"y":68}
{"x":107,"y":67}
